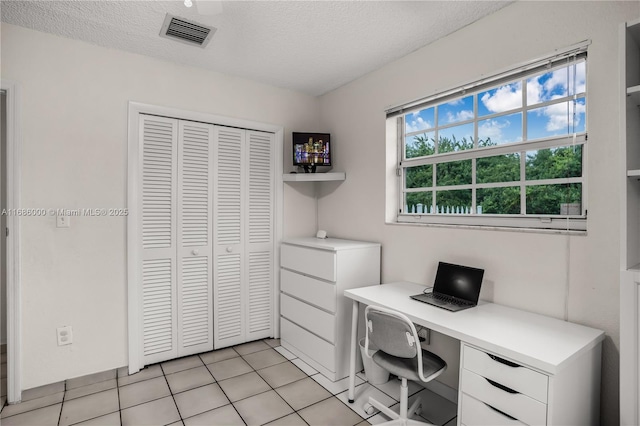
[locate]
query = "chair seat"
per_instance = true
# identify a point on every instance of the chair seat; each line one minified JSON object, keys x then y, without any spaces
{"x":408,"y":367}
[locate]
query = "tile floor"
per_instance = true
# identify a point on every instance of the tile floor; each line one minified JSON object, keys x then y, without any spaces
{"x":254,"y":383}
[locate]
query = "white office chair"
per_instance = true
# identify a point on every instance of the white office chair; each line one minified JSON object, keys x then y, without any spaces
{"x":400,"y":353}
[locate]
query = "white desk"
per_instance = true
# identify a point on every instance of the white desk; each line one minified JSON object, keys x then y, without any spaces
{"x":558,"y":372}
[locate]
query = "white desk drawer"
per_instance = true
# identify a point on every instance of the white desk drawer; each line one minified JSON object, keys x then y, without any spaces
{"x":306,"y":316}
{"x":517,"y":405}
{"x":516,"y":377}
{"x":316,"y":292}
{"x":317,"y":263}
{"x":310,"y":344}
{"x":477,"y":413}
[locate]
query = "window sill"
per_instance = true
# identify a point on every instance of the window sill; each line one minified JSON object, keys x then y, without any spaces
{"x":579,"y":233}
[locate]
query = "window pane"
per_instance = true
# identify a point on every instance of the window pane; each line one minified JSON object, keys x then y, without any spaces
{"x":457,"y":110}
{"x":453,"y":202}
{"x":419,"y":120}
{"x":504,"y":98}
{"x":501,"y":168}
{"x":419,"y":145}
{"x":500,"y":130}
{"x":554,"y":199}
{"x":457,"y":138}
{"x":557,"y":120}
{"x":562,"y":82}
{"x":418,"y":202}
{"x":453,"y":173}
{"x":419,"y":177}
{"x":498,"y":200}
{"x":554,"y":163}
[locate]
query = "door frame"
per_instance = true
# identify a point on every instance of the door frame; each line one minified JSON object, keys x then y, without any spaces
{"x":13,"y":302}
{"x":133,"y":236}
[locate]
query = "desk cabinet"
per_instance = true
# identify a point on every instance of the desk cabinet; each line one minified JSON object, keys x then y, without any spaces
{"x":497,"y":391}
{"x":315,"y":316}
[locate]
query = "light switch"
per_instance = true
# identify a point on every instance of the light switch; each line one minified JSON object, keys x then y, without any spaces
{"x":63,"y":221}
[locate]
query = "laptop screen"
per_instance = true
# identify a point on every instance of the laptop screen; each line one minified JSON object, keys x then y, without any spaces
{"x":458,"y":281}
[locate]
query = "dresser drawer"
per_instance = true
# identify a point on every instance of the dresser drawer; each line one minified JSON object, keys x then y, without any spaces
{"x":477,"y":413}
{"x":308,"y":261}
{"x":311,"y":290}
{"x":313,"y":319}
{"x":516,"y":377}
{"x":517,"y":405}
{"x":311,"y":345}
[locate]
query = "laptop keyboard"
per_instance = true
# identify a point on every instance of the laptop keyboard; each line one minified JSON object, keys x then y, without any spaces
{"x":448,"y":299}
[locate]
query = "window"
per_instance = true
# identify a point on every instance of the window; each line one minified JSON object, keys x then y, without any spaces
{"x":506,"y":153}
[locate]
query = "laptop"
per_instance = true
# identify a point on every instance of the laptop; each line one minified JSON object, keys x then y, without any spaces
{"x":456,"y":287}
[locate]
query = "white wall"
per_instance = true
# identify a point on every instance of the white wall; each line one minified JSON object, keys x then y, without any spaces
{"x":525,"y":270}
{"x":74,"y":150}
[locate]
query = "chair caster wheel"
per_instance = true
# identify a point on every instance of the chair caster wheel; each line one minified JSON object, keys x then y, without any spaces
{"x":418,"y":410}
{"x":368,"y":408}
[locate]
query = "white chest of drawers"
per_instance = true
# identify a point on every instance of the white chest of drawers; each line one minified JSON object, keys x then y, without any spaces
{"x":315,"y":317}
{"x":497,"y":391}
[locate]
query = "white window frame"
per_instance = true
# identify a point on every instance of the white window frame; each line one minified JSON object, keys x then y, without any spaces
{"x":397,"y":164}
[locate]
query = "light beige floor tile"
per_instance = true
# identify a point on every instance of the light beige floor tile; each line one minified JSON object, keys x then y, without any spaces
{"x":47,"y":416}
{"x":41,"y":391}
{"x":3,"y":387}
{"x":146,"y":373}
{"x":181,"y":364}
{"x":303,"y":393}
{"x":290,"y":420}
{"x":226,"y":415}
{"x":281,"y":374}
{"x":362,"y":394}
{"x":89,"y":407}
{"x":244,"y":386}
{"x":229,"y":368}
{"x":159,"y":412}
{"x":91,"y":379}
{"x":3,"y":400}
{"x":12,"y":410}
{"x":189,"y":379}
{"x":366,"y":423}
{"x":90,"y":389}
{"x":309,"y":370}
{"x":178,"y":423}
{"x":199,"y":400}
{"x":141,"y":392}
{"x":337,"y":386}
{"x":247,"y":348}
{"x":330,"y":412}
{"x":219,"y":355}
{"x":272,"y":342}
{"x":263,"y":359}
{"x":285,"y":353}
{"x":112,"y":419}
{"x":262,"y":408}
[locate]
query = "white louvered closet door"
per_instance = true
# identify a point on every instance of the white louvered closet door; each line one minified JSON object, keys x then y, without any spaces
{"x":158,"y":190}
{"x":259,"y":233}
{"x":228,"y":250}
{"x":194,"y":256}
{"x":243,"y":236}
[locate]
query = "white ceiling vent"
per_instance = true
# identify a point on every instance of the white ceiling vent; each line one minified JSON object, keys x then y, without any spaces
{"x":185,"y":31}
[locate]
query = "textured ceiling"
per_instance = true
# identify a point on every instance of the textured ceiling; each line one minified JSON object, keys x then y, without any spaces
{"x":308,"y":46}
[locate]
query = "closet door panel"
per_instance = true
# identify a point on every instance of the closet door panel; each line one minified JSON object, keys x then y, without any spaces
{"x":158,"y":189}
{"x":194,"y":238}
{"x":229,"y":216}
{"x":259,"y":231}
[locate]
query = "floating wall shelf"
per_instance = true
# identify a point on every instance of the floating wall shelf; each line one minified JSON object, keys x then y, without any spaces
{"x":313,"y":177}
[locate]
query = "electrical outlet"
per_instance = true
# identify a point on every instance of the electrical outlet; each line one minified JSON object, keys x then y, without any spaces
{"x":63,"y":221}
{"x":65,"y":335}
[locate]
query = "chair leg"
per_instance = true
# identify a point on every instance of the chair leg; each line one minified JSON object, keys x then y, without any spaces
{"x":404,"y":398}
{"x":383,"y":409}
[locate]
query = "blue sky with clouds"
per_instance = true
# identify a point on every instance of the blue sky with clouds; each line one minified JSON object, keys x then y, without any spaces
{"x":551,"y":120}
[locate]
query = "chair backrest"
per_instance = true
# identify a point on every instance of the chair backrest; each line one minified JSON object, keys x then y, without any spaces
{"x":391,"y":332}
